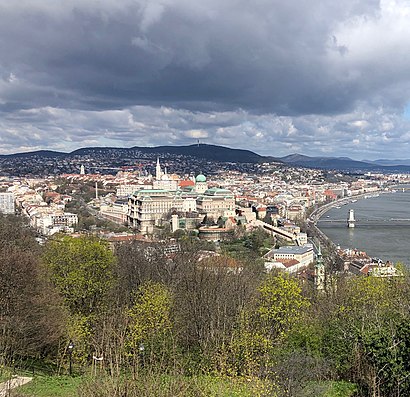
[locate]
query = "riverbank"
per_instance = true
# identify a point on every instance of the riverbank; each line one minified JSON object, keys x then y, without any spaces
{"x":320,"y":211}
{"x":382,"y":228}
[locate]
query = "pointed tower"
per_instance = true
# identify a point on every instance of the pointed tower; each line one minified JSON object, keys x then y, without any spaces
{"x":319,"y":271}
{"x":158,"y":172}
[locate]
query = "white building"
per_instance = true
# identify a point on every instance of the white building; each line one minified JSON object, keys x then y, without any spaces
{"x":165,"y":183}
{"x":115,"y":212}
{"x":216,"y":202}
{"x":201,"y":185}
{"x":7,"y":203}
{"x":49,"y":224}
{"x":126,"y":190}
{"x":147,"y":207}
{"x":290,"y":258}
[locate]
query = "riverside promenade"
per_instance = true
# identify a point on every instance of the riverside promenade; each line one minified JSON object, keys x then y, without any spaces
{"x":320,"y":211}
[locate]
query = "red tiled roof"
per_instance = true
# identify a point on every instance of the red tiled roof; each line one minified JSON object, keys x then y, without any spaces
{"x":288,"y":262}
{"x":186,"y":183}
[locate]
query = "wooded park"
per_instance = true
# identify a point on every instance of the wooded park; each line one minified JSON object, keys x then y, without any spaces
{"x":135,"y":320}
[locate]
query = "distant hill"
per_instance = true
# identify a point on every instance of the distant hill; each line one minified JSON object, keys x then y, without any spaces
{"x":388,"y":162}
{"x":206,"y":152}
{"x":202,"y":151}
{"x":37,"y":153}
{"x":209,"y":152}
{"x":342,"y":163}
{"x":225,"y":154}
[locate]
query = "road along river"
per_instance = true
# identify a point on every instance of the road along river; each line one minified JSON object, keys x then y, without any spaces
{"x":382,"y":226}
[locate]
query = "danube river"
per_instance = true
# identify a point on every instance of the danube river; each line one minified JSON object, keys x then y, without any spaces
{"x":382,"y":228}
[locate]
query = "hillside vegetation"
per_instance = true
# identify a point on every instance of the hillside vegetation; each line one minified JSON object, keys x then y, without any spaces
{"x":143,"y":323}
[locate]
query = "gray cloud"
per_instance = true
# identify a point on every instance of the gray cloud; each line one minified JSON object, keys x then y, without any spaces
{"x":363,"y":133}
{"x":274,"y":76}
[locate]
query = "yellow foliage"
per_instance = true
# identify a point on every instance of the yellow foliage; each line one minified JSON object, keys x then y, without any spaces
{"x":150,"y":316}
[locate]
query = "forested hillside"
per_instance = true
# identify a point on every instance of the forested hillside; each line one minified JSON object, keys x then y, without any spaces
{"x":151,"y":323}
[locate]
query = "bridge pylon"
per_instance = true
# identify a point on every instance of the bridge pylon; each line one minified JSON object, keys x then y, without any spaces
{"x":351,"y":220}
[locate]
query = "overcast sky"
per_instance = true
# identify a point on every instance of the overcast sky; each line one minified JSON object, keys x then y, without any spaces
{"x":276,"y":77}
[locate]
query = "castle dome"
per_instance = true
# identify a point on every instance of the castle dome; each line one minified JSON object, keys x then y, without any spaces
{"x":200,"y":178}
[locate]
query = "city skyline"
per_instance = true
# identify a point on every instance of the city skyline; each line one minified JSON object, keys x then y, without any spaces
{"x":274,"y":77}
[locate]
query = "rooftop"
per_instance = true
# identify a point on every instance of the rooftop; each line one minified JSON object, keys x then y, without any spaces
{"x":293,"y":249}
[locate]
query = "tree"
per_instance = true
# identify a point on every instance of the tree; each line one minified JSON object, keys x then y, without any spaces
{"x":255,"y":240}
{"x":139,"y":262}
{"x":275,"y":309}
{"x":208,"y":221}
{"x":82,"y":270}
{"x":150,"y":324}
{"x":31,"y":320}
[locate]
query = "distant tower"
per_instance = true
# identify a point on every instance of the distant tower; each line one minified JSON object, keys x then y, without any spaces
{"x":174,"y":223}
{"x":158,"y":172}
{"x":96,"y":191}
{"x":319,"y":271}
{"x":82,"y":170}
{"x":351,"y":221}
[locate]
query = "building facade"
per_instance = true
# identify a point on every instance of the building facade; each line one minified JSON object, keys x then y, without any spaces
{"x":290,"y":258}
{"x":7,"y":203}
{"x":147,"y":208}
{"x":216,"y":202}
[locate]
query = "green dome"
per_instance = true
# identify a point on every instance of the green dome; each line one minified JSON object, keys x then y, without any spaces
{"x":200,"y":178}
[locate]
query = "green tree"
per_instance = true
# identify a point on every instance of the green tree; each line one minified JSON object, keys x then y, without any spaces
{"x":276,"y":308}
{"x":82,"y":270}
{"x":150,"y":324}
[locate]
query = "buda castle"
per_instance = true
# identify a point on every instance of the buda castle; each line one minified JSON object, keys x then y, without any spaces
{"x":147,"y":208}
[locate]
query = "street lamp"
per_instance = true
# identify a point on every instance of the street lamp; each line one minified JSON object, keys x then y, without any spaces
{"x":70,"y":348}
{"x":142,"y":350}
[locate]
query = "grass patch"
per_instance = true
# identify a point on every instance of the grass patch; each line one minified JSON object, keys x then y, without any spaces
{"x":49,"y":386}
{"x":230,"y":387}
{"x":5,"y":374}
{"x":331,"y":389}
{"x":174,"y":386}
{"x":341,"y":389}
{"x":168,"y":386}
{"x":146,"y":386}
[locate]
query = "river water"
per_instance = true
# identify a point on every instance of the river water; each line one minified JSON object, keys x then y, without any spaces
{"x":382,"y":227}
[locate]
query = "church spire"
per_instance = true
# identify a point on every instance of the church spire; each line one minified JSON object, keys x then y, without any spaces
{"x":158,"y":172}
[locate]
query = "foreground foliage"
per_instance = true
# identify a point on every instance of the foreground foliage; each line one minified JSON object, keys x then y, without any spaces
{"x":153,"y":322}
{"x":168,"y":386}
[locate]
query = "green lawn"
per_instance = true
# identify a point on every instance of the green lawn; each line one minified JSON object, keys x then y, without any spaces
{"x":163,"y":386}
{"x":341,"y":389}
{"x":169,"y":386}
{"x":331,"y":389}
{"x":50,"y":386}
{"x":4,"y":374}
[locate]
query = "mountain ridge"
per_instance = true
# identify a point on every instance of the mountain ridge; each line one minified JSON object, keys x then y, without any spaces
{"x":225,"y":154}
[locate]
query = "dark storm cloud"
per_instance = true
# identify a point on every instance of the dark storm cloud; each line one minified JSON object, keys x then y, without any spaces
{"x":318,"y":77}
{"x":267,"y":56}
